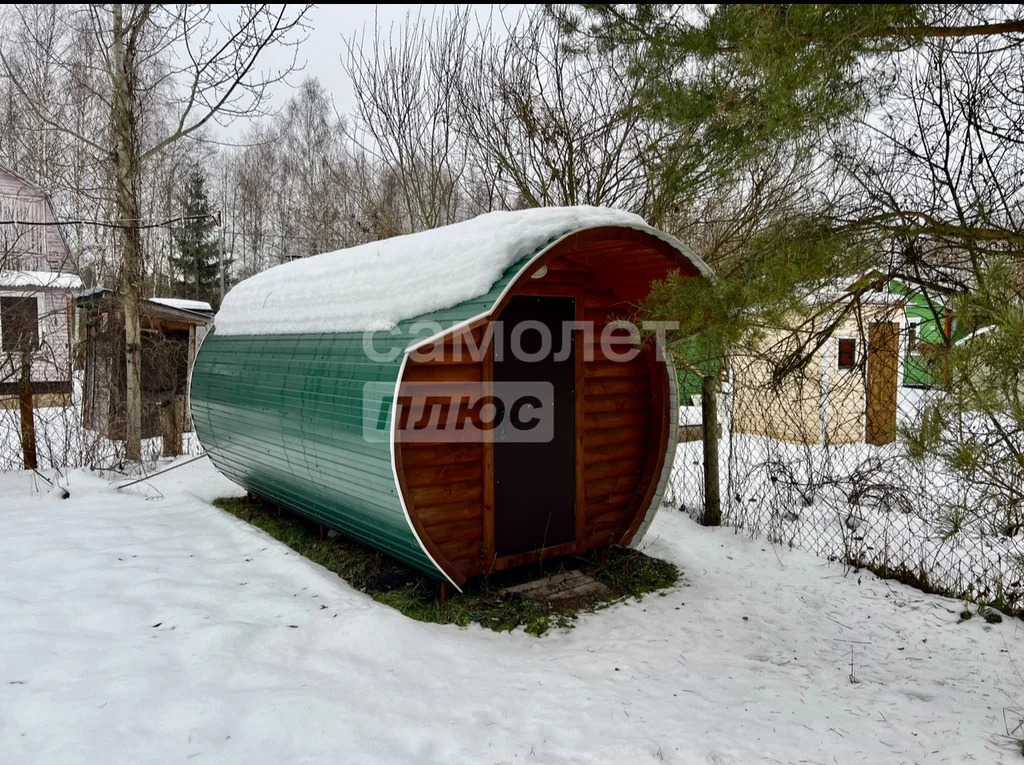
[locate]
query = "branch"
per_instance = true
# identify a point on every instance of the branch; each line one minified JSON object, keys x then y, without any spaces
{"x":1013,"y":27}
{"x":15,"y":79}
{"x":245,"y":57}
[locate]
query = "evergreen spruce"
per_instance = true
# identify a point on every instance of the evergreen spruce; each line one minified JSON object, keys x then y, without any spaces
{"x":195,"y":268}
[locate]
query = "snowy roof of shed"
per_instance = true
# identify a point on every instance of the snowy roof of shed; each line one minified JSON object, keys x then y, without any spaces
{"x":193,"y":311}
{"x":975,"y":335}
{"x":374,"y":286}
{"x":187,"y":305}
{"x":40,"y":280}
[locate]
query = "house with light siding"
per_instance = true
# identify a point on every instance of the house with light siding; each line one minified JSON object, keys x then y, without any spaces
{"x":848,"y":390}
{"x":37,"y":277}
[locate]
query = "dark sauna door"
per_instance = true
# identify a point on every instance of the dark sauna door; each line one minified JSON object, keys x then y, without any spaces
{"x":535,"y":483}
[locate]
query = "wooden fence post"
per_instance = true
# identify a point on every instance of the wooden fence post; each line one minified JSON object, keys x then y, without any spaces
{"x":709,"y":415}
{"x":171,"y":420}
{"x":28,"y":422}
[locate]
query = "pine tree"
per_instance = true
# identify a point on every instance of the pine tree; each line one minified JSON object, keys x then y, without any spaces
{"x":195,"y":267}
{"x":905,"y":112}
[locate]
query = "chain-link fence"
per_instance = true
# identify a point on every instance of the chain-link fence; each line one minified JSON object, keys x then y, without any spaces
{"x":837,"y":454}
{"x":835,"y":438}
{"x":63,"y":442}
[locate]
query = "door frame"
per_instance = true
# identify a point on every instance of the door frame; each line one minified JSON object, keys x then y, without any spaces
{"x":492,"y":561}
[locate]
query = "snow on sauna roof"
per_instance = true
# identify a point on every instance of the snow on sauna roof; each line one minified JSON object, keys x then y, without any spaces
{"x":374,"y":286}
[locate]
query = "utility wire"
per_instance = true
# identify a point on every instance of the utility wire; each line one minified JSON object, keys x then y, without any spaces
{"x":108,"y":224}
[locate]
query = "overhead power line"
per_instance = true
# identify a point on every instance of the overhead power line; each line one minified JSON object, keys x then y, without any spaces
{"x":109,"y":224}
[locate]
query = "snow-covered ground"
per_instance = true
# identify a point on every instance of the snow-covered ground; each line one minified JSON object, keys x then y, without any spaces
{"x":148,"y":627}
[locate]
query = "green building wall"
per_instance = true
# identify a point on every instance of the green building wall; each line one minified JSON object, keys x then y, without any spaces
{"x":918,"y":369}
{"x":694,"y":354}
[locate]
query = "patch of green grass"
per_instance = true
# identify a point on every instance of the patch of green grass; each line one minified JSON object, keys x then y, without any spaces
{"x":626,"y":573}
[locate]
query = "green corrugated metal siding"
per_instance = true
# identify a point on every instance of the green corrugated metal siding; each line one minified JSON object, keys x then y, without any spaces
{"x":282,"y":415}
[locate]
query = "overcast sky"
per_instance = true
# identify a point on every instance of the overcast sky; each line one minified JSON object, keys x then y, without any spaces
{"x":330,"y":25}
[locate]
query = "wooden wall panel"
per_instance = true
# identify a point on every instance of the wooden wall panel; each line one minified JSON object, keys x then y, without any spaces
{"x":621,"y":437}
{"x":444,"y":482}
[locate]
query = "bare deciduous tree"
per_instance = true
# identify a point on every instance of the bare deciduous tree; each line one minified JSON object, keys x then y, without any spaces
{"x":406,"y":87}
{"x":548,"y":127}
{"x":188,"y":63}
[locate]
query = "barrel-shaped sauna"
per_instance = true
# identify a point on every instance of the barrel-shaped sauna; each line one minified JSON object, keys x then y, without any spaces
{"x":402,"y":391}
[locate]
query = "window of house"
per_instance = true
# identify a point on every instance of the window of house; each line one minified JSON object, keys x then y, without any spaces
{"x":19,"y":324}
{"x":847,"y":353}
{"x":912,"y":337}
{"x":24,"y":235}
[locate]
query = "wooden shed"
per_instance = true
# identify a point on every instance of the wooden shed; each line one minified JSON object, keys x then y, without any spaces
{"x":305,"y":389}
{"x":847,"y":393}
{"x":172,"y":330}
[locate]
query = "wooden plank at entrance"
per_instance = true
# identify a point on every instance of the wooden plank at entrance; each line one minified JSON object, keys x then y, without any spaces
{"x":883,"y":382}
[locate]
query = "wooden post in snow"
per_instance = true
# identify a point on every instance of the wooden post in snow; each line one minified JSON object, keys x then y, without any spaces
{"x":709,"y":415}
{"x":28,"y":423}
{"x":170,"y":426}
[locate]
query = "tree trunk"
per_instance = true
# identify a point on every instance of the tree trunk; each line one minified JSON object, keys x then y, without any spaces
{"x":709,"y":414}
{"x":133,"y":363}
{"x":28,"y":422}
{"x":127,"y":164}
